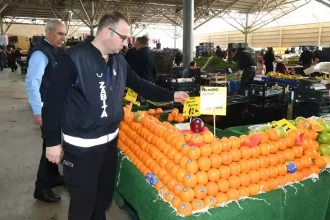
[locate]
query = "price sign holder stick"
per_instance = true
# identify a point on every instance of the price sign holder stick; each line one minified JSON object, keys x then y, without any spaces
{"x":214,"y":134}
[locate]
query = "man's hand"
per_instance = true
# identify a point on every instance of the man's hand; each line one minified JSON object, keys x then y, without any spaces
{"x":38,"y":120}
{"x":180,"y":97}
{"x":53,"y":154}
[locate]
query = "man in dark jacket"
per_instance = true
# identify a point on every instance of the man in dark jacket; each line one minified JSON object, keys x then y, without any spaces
{"x":269,"y":59}
{"x":247,"y":68}
{"x":84,"y":103}
{"x":145,"y":65}
{"x":42,"y":59}
{"x":306,"y":59}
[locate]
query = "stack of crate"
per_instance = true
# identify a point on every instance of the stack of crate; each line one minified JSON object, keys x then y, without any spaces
{"x":205,"y":50}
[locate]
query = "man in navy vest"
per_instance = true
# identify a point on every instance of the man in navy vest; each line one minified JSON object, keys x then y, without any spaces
{"x":84,"y":103}
{"x":42,"y":59}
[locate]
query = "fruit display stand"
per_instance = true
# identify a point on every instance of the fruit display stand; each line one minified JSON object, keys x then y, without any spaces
{"x":269,"y":175}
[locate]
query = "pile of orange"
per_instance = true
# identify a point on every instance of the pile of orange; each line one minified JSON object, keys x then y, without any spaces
{"x":192,"y":178}
{"x":176,"y":116}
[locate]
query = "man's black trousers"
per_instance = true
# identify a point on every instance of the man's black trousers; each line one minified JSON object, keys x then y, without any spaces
{"x":90,"y":180}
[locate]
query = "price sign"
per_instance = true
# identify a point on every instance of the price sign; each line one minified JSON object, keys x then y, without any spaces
{"x":192,"y":107}
{"x":213,"y":100}
{"x":285,"y":124}
{"x":131,"y":95}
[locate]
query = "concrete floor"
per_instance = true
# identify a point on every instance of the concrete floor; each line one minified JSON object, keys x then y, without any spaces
{"x":20,"y":150}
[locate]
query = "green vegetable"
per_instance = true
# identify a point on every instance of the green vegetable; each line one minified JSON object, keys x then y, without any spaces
{"x":218,"y":63}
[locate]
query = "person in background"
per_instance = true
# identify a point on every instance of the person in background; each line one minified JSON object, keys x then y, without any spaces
{"x":42,"y":59}
{"x":269,"y":59}
{"x":219,"y":52}
{"x":261,"y":68}
{"x":145,"y":65}
{"x":287,"y":51}
{"x":130,"y":56}
{"x":317,"y":55}
{"x":84,"y":105}
{"x":10,"y":46}
{"x":280,"y":66}
{"x":11,"y":59}
{"x":31,"y":44}
{"x":247,"y":68}
{"x":306,"y":58}
{"x":2,"y":58}
{"x":191,"y":66}
{"x":178,"y":58}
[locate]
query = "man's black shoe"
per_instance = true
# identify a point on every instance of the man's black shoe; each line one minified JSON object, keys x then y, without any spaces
{"x":47,"y":195}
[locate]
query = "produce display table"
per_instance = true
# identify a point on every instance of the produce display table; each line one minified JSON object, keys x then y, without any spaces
{"x":305,"y":201}
{"x":282,"y":81}
{"x":239,"y":130}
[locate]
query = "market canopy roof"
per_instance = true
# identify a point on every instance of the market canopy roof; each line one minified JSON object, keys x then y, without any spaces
{"x":142,"y":12}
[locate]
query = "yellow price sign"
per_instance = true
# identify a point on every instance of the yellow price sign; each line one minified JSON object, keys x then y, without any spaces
{"x":285,"y":124}
{"x":213,"y":100}
{"x":192,"y":107}
{"x":131,"y":95}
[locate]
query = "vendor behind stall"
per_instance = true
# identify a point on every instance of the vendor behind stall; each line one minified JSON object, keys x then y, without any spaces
{"x":306,"y":58}
{"x":247,"y":68}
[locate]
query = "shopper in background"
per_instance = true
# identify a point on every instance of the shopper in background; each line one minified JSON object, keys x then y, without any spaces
{"x":287,"y":51}
{"x":42,"y":59}
{"x":145,"y":65}
{"x":11,"y":59}
{"x":317,"y":55}
{"x":269,"y":59}
{"x":2,"y":58}
{"x":191,"y":66}
{"x":84,"y":101}
{"x":130,"y":57}
{"x":261,"y":68}
{"x":178,"y":58}
{"x":247,"y":68}
{"x":306,"y":58}
{"x":219,"y":52}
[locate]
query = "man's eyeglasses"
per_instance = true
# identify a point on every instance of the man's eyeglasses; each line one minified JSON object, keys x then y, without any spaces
{"x":123,"y":37}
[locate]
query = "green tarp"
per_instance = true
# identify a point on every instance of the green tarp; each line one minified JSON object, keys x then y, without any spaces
{"x":305,"y":201}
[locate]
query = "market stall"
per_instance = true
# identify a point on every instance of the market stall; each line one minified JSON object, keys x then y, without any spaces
{"x":266,"y":173}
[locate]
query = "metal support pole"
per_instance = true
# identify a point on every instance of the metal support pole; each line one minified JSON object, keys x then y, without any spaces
{"x":246,"y":28}
{"x":92,"y":16}
{"x":188,"y":23}
{"x":175,"y":35}
{"x":1,"y":25}
{"x":320,"y":34}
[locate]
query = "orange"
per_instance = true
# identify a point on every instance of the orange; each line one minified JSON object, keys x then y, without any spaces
{"x":174,"y":169}
{"x":263,"y":186}
{"x":184,"y":208}
{"x":213,"y":175}
{"x":245,"y":152}
{"x":244,"y":165}
{"x":273,"y":147}
{"x":221,"y":198}
{"x":264,"y":149}
{"x":273,"y":172}
{"x":253,"y":189}
{"x":263,"y":161}
{"x":299,"y":164}
{"x":255,"y":152}
{"x":232,"y":194}
{"x":202,"y":177}
{"x":312,"y":134}
{"x":265,"y":138}
{"x":197,"y":204}
{"x":281,"y":157}
{"x":204,"y":163}
{"x":235,"y":169}
{"x":297,"y":151}
{"x":289,"y":154}
{"x":235,"y":142}
{"x":310,"y":152}
{"x":272,"y":183}
{"x":208,"y":137}
{"x":166,"y":178}
{"x":254,"y":163}
{"x":281,"y":143}
{"x":194,"y":153}
{"x":171,"y":184}
{"x":169,"y":166}
{"x":191,"y":166}
{"x":215,"y":160}
{"x":177,"y":157}
{"x":282,"y":170}
{"x":216,"y":146}
{"x":183,"y":161}
{"x":224,"y":172}
{"x":223,"y":185}
{"x":159,"y":111}
{"x":303,"y":125}
{"x":314,"y":169}
{"x":187,"y":194}
{"x":196,"y":139}
{"x":175,"y":112}
{"x":281,"y":180}
{"x":211,"y":188}
{"x":254,"y":176}
{"x":273,"y":160}
{"x":178,"y":188}
{"x":244,"y":179}
{"x":306,"y":172}
{"x":317,"y":127}
{"x":307,"y":143}
{"x":189,"y":180}
{"x":226,"y":158}
{"x":243,"y":191}
{"x":206,"y":150}
{"x":210,"y":201}
{"x":320,"y":162}
{"x":180,"y":174}
{"x":307,"y":161}
{"x":273,"y":135}
{"x":290,"y":141}
{"x":316,"y":145}
{"x":234,"y":182}
{"x":263,"y":173}
{"x":226,"y":144}
{"x":235,"y":154}
{"x":200,"y":191}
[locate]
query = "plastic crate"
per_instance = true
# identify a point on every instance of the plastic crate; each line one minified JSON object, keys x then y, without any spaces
{"x":312,"y":96}
{"x":182,"y":86}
